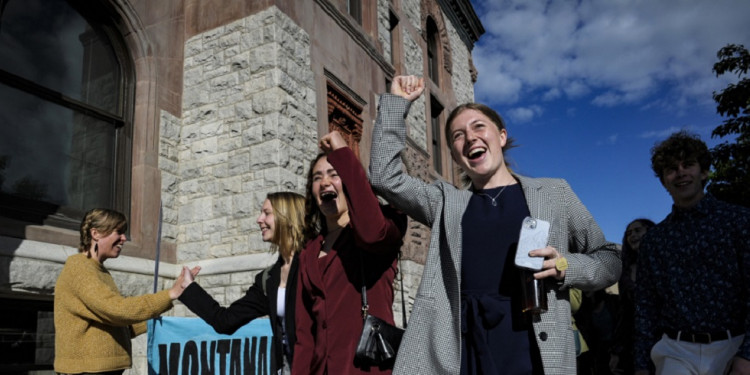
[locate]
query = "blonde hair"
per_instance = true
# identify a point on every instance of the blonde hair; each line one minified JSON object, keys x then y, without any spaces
{"x":289,"y":221}
{"x":105,"y":221}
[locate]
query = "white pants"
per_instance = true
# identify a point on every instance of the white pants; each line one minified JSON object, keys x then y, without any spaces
{"x":673,"y":357}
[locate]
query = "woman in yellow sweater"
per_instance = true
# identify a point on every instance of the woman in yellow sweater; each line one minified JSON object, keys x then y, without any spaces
{"x":93,"y":321}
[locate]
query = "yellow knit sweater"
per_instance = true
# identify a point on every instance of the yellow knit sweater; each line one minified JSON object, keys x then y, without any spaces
{"x":94,"y":322}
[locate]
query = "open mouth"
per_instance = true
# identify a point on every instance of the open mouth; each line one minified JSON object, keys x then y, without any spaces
{"x":328,"y":196}
{"x":476,"y":153}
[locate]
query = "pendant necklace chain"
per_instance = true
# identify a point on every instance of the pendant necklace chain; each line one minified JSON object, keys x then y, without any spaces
{"x":494,"y":202}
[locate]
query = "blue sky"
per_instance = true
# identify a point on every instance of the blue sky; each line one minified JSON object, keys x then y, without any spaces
{"x":587,"y":87}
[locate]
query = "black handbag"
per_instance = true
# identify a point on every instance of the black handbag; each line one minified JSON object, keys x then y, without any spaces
{"x":379,"y":341}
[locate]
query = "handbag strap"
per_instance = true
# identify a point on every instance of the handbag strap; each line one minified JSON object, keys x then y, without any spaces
{"x":365,"y":305}
{"x":401,"y":281}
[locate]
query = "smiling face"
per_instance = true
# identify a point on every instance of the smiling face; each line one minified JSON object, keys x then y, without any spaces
{"x":684,"y":181}
{"x":266,"y":221}
{"x":328,"y":192}
{"x":109,"y":245}
{"x":477,"y":146}
{"x":634,"y":233}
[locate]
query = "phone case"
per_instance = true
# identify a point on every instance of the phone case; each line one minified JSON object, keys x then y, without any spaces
{"x":534,"y":234}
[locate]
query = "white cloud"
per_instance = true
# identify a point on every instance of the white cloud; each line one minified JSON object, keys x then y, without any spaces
{"x":552,"y":94}
{"x":625,"y":51}
{"x":524,"y":114}
{"x":576,"y":89}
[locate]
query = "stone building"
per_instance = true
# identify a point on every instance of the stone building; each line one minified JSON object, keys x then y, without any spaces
{"x":183,"y":114}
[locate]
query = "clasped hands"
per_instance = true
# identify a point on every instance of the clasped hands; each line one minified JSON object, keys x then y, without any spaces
{"x":186,"y":277}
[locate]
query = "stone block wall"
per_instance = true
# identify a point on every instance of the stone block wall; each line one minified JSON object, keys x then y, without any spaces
{"x":248,"y":128}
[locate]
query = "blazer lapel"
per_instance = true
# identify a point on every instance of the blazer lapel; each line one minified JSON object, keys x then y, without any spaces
{"x":455,"y":206}
{"x":311,"y":262}
{"x":535,"y":198}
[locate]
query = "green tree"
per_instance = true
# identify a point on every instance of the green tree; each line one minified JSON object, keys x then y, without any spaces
{"x":730,"y":180}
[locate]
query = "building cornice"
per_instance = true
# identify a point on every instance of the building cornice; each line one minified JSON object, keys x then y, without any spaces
{"x":462,"y":15}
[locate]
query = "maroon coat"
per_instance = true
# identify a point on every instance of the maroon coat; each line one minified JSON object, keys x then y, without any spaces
{"x":329,"y":301}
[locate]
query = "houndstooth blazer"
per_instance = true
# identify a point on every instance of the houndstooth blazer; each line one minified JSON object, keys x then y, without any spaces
{"x":431,"y":344}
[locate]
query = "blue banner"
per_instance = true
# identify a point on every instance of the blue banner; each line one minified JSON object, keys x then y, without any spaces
{"x":189,"y":346}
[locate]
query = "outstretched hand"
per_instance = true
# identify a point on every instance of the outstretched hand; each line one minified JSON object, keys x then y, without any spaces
{"x":186,"y":278}
{"x":332,"y":142}
{"x":407,"y":87}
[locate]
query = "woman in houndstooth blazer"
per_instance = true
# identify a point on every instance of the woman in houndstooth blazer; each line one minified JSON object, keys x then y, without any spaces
{"x":465,"y":318}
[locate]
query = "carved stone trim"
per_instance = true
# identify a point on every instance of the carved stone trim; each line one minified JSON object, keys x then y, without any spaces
{"x":430,"y":9}
{"x":473,"y":70}
{"x":344,"y":116}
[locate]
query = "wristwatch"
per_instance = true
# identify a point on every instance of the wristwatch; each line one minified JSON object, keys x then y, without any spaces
{"x":561,"y":264}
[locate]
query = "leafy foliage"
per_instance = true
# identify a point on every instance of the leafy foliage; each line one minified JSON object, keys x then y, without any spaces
{"x":730,"y":180}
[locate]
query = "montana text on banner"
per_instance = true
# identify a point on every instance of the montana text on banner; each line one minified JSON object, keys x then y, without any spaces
{"x":190,"y":346}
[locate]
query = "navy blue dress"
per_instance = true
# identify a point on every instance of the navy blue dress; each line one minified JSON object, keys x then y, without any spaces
{"x":496,"y":336}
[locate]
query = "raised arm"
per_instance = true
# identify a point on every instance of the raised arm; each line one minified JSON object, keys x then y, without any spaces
{"x":374,"y":230}
{"x":409,"y":194}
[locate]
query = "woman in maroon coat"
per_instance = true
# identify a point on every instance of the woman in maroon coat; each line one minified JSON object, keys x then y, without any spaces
{"x":351,"y":236}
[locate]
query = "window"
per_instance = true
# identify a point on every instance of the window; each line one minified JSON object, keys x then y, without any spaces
{"x":433,"y":65}
{"x":392,"y":24}
{"x":437,"y":158}
{"x":63,"y":141}
{"x":354,"y":8}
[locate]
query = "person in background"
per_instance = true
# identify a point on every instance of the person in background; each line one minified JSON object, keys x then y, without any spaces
{"x":274,"y":292}
{"x":583,"y":361}
{"x":354,"y":242}
{"x":621,"y":360}
{"x":693,"y":286}
{"x":597,"y":320}
{"x":467,"y":316}
{"x":94,"y":323}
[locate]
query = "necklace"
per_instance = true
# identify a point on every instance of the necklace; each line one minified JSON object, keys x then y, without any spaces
{"x":494,"y":202}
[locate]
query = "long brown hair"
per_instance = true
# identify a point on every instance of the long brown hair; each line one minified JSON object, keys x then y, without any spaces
{"x":289,"y":222}
{"x":314,"y":220}
{"x":105,"y":221}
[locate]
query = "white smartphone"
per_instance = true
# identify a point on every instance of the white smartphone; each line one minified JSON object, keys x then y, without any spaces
{"x":534,"y":235}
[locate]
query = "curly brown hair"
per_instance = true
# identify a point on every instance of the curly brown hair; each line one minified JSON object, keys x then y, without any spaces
{"x":679,"y":147}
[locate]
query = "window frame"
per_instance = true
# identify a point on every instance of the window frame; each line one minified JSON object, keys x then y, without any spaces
{"x":436,"y":141}
{"x":433,"y":51}
{"x":67,"y":217}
